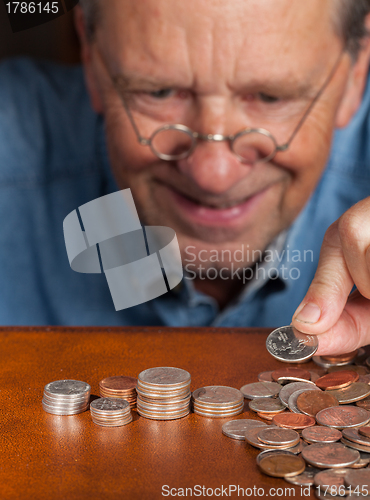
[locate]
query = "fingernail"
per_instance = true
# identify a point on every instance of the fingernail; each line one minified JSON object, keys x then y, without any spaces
{"x":309,"y":314}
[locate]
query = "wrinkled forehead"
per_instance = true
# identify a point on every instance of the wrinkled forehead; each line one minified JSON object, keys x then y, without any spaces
{"x":218,"y":35}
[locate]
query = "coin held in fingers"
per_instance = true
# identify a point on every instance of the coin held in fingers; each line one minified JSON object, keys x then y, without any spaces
{"x":290,"y":345}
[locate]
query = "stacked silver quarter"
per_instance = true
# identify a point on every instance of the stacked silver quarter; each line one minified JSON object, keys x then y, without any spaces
{"x":110,"y":412}
{"x":66,"y":397}
{"x":163,"y":393}
{"x":218,"y":401}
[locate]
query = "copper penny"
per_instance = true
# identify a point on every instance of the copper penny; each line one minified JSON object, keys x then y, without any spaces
{"x":358,"y":478}
{"x":311,"y":402}
{"x":333,"y":455}
{"x":341,"y":417}
{"x":352,"y":393}
{"x":364,"y":431}
{"x":119,"y":383}
{"x":337,"y":380}
{"x":341,"y":358}
{"x":266,"y":416}
{"x":356,"y":446}
{"x":361,"y":370}
{"x":282,"y":465}
{"x":365,"y":379}
{"x":289,"y":389}
{"x":277,"y":436}
{"x":264,"y":377}
{"x":321,"y":434}
{"x":293,"y":420}
{"x":288,"y":372}
{"x":331,"y":478}
{"x":271,"y":453}
{"x":356,"y":437}
{"x":364,"y":403}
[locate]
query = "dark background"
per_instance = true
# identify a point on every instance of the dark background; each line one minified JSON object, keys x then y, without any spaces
{"x":54,"y":40}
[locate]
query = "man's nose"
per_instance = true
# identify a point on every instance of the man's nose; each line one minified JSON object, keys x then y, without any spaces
{"x":212,"y":165}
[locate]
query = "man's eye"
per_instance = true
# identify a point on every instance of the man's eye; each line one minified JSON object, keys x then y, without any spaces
{"x":268,"y":98}
{"x":161,"y":94}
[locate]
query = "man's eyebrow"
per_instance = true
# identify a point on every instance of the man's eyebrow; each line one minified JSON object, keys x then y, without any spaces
{"x":126,"y":82}
{"x":288,"y":88}
{"x":283,"y":88}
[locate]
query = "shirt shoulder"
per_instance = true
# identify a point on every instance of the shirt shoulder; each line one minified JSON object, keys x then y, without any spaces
{"x":47,"y":125}
{"x":350,"y":153}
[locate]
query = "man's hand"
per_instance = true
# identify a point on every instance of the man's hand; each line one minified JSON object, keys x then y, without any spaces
{"x":342,"y":321}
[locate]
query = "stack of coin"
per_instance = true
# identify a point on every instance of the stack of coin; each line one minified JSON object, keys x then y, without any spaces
{"x":110,"y":412}
{"x":163,"y":393}
{"x":119,"y":387}
{"x":66,"y":397}
{"x":218,"y":401}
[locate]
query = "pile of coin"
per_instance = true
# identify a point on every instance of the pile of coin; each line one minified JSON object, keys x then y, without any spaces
{"x":120,"y":387}
{"x":163,"y":393}
{"x":217,"y":401}
{"x":110,"y":412}
{"x":326,"y":409}
{"x":66,"y":397}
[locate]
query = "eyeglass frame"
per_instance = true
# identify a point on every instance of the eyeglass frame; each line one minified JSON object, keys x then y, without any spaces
{"x":116,"y":80}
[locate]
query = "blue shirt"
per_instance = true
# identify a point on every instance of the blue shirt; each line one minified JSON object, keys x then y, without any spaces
{"x":53,"y":159}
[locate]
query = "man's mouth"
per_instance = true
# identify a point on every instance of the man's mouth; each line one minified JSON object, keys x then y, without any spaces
{"x":213,"y":213}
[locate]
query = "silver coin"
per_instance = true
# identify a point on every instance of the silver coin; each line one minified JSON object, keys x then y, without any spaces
{"x":69,"y":388}
{"x":251,"y":438}
{"x":235,"y":429}
{"x":261,"y":390}
{"x":278,"y":436}
{"x":217,"y":395}
{"x":164,"y":376}
{"x":266,"y":405}
{"x":109,"y":405}
{"x":288,"y":390}
{"x":352,"y":393}
{"x":289,"y":345}
{"x":304,"y":479}
{"x":325,"y":364}
{"x":333,"y":455}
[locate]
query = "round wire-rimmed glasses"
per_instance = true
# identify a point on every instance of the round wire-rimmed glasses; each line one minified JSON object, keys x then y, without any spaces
{"x":173,"y":142}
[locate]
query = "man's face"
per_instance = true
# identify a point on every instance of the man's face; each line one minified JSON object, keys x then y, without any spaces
{"x":219,"y":67}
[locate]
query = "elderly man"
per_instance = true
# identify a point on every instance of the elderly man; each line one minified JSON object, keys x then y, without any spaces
{"x":219,"y":117}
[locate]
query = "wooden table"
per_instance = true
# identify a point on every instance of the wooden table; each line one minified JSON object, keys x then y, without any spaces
{"x":69,"y":457}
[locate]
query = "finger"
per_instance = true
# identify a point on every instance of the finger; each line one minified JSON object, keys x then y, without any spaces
{"x":351,"y":331}
{"x":354,"y":234}
{"x":328,"y":293}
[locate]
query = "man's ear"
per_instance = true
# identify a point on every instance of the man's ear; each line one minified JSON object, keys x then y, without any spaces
{"x":357,"y":80}
{"x":87,"y":60}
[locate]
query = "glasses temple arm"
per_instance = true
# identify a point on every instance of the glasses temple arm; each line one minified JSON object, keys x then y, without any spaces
{"x":285,"y":146}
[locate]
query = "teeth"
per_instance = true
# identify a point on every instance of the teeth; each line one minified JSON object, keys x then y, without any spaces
{"x":224,"y":205}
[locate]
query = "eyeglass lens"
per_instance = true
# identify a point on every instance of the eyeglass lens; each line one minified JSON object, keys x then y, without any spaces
{"x":250,"y":146}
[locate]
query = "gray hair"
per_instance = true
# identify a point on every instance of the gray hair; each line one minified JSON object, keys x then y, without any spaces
{"x":349,"y":22}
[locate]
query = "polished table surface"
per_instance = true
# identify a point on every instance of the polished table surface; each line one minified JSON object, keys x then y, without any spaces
{"x":46,"y":456}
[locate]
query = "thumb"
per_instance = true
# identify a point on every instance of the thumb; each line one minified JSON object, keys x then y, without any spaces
{"x":328,"y":293}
